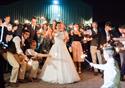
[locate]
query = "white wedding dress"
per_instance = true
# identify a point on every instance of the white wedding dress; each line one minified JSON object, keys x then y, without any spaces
{"x":59,"y":68}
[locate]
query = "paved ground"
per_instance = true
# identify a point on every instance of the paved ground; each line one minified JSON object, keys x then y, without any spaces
{"x":88,"y":80}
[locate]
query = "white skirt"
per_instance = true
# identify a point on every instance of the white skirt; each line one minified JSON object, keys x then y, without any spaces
{"x":59,"y":68}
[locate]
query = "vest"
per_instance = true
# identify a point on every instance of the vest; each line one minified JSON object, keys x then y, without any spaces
{"x":11,"y":47}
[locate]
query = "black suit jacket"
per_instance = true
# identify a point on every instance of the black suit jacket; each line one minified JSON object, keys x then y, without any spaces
{"x":104,"y":37}
{"x":96,"y":38}
{"x":33,"y":35}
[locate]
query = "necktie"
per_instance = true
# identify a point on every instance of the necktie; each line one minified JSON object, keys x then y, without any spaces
{"x":95,"y":30}
{"x":108,"y":36}
{"x":33,"y":27}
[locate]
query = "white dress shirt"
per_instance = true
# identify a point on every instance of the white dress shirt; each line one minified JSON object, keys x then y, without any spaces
{"x":17,"y":40}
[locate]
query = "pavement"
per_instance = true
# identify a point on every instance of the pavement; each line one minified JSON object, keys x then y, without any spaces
{"x":88,"y":80}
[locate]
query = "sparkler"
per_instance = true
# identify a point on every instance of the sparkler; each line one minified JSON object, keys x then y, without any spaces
{"x":87,"y":61}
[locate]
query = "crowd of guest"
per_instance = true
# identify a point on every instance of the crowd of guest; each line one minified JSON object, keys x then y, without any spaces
{"x":26,"y":46}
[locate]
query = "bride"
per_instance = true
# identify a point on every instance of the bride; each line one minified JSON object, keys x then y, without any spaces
{"x":59,"y":68}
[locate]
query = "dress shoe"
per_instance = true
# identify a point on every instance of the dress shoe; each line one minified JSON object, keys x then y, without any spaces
{"x":33,"y":80}
{"x":122,"y":79}
{"x":30,"y":80}
{"x":22,"y":81}
{"x":13,"y":84}
{"x":36,"y":80}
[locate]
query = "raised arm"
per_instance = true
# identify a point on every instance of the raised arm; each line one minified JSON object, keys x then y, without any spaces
{"x":39,"y":55}
{"x":98,"y":66}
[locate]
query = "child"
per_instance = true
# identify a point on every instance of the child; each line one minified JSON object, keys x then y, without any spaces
{"x":111,"y":70}
{"x":34,"y":57}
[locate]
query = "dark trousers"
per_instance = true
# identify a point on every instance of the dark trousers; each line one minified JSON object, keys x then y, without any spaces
{"x":123,"y":70}
{"x":1,"y":72}
{"x":122,"y":58}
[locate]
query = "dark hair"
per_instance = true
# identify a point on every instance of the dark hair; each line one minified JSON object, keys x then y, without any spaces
{"x":1,"y":19}
{"x":33,"y":41}
{"x":58,"y":22}
{"x":7,"y":16}
{"x":33,"y":17}
{"x":95,"y":22}
{"x":54,"y":21}
{"x":108,"y":24}
{"x":25,"y":30}
{"x":122,"y":26}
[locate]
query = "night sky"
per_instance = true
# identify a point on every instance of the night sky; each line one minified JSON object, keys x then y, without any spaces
{"x":108,"y":10}
{"x":103,"y":10}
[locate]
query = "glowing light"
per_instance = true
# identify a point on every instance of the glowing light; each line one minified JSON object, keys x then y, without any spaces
{"x":71,"y":26}
{"x":16,"y":22}
{"x":88,"y":22}
{"x":83,"y":56}
{"x":42,"y":18}
{"x":56,"y":9}
{"x":55,"y":2}
{"x":40,"y":30}
{"x":26,"y":21}
{"x":57,"y":19}
{"x":59,"y":15}
{"x":44,"y":22}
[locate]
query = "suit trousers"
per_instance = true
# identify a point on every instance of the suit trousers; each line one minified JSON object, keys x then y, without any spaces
{"x":96,"y":54}
{"x":122,"y":59}
{"x":34,"y":70}
{"x":15,"y":66}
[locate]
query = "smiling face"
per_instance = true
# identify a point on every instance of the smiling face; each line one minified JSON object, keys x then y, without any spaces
{"x":123,"y":30}
{"x":7,"y":19}
{"x":26,"y":35}
{"x":33,"y":45}
{"x":76,"y":27}
{"x":33,"y":21}
{"x":120,"y":30}
{"x":94,"y":25}
{"x":108,"y":28}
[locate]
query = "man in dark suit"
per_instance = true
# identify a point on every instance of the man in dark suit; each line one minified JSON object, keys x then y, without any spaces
{"x":94,"y":46}
{"x":33,"y":28}
{"x":106,"y":34}
{"x":122,"y":51}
